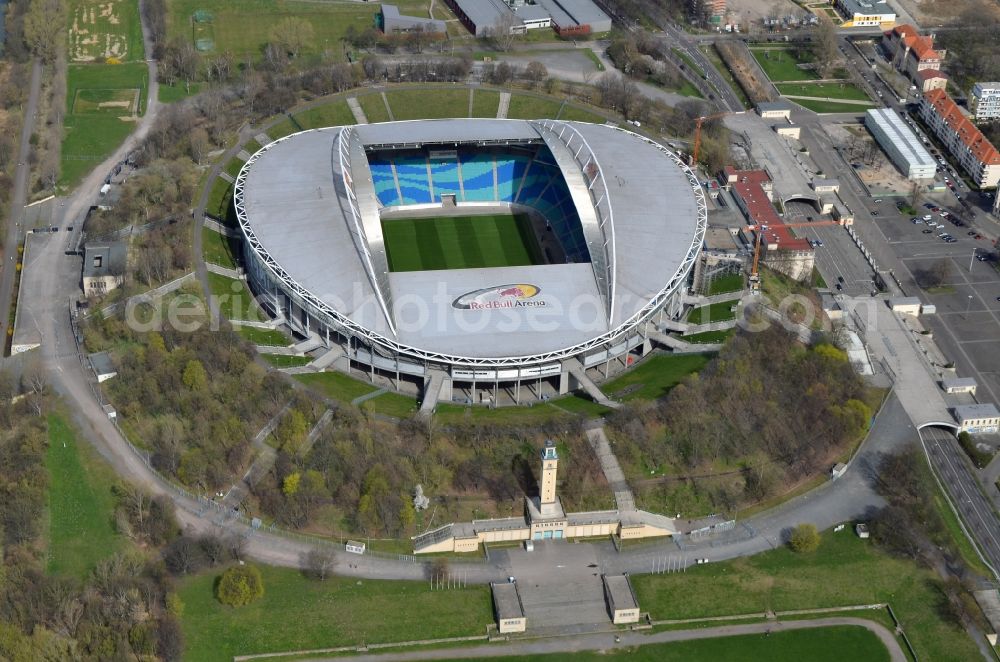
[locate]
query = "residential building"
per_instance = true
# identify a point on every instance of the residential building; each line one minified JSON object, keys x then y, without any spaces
{"x":978,"y":419}
{"x":865,"y":13}
{"x":391,"y":20}
{"x":103,"y":267}
{"x":912,"y":52}
{"x":966,"y":143}
{"x":931,"y":79}
{"x":984,"y":102}
{"x":781,"y":249}
{"x":900,"y":144}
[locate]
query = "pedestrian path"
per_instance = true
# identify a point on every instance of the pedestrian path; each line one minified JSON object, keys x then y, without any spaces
{"x":359,"y":114}
{"x":624,"y":499}
{"x":504,"y":105}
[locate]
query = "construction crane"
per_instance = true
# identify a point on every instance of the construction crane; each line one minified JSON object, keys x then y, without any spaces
{"x":697,"y":133}
{"x":759,"y":231}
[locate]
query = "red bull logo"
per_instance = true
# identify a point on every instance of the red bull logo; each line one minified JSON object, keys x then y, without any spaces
{"x":516,"y":295}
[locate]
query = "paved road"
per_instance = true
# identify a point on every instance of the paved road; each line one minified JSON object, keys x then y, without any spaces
{"x":959,"y":478}
{"x":725,"y":97}
{"x":606,"y":642}
{"x":19,"y":196}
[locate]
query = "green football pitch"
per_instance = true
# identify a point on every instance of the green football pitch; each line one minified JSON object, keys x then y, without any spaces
{"x":460,"y":242}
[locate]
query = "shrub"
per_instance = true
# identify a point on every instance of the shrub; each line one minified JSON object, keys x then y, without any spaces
{"x":804,"y":538}
{"x":240,"y":585}
{"x":979,"y":457}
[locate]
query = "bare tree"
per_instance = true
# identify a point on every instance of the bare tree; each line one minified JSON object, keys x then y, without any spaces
{"x":825,"y":47}
{"x":320,"y":562}
{"x":503,"y":33}
{"x":535,"y":72}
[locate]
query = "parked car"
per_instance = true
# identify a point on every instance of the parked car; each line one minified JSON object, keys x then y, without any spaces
{"x":928,"y":231}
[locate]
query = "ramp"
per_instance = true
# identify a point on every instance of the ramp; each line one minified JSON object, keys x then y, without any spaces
{"x":589,"y":387}
{"x":326,"y":359}
{"x":432,"y":391}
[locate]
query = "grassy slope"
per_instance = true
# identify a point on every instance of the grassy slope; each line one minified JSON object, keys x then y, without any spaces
{"x":81,"y":507}
{"x":296,"y":613}
{"x":716,"y":312}
{"x":833,"y":106}
{"x":337,"y":113}
{"x":831,"y":644}
{"x":727,"y":283}
{"x":373,"y":107}
{"x":529,"y":108}
{"x":268,"y":337}
{"x":218,"y":249}
{"x":844,"y":90}
{"x":336,"y":386}
{"x":655,"y":376}
{"x":235,"y":300}
{"x":844,"y":571}
{"x":419,"y":104}
{"x":458,"y":243}
{"x":485,"y":103}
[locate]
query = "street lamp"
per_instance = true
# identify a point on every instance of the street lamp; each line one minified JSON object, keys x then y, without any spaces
{"x":972,"y":258}
{"x":967,"y":307}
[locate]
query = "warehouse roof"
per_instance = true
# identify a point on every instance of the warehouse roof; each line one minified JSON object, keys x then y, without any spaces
{"x":903,"y":139}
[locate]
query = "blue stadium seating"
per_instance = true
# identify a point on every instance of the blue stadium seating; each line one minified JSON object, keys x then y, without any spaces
{"x":477,"y":177}
{"x":413,"y":183}
{"x":444,"y":175}
{"x":385,"y":181}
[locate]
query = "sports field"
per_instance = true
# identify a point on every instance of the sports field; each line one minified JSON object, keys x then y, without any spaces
{"x":460,"y":242}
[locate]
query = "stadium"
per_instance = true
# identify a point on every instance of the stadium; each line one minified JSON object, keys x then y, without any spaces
{"x":471,"y":260}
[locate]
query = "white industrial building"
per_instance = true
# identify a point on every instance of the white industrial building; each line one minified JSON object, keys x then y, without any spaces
{"x":900,"y":143}
{"x":984,"y":102}
{"x":865,"y":13}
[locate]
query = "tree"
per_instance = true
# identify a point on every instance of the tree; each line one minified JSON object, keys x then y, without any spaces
{"x":804,"y":538}
{"x":320,"y":562}
{"x":43,"y":25}
{"x":293,"y":34}
{"x":535,"y":72}
{"x":935,"y":275}
{"x":195,"y":377}
{"x":240,"y":585}
{"x":825,"y":46}
{"x":502,"y":32}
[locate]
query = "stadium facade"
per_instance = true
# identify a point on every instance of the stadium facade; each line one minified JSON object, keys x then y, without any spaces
{"x":617,"y":223}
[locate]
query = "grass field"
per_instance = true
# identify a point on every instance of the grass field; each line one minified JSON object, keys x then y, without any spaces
{"x":654,"y":376}
{"x":832,"y":90}
{"x":336,"y":113}
{"x":234,"y":166}
{"x":781,"y":63}
{"x":844,"y":571}
{"x":829,"y":644}
{"x":833,"y":106}
{"x":282,"y":129}
{"x":296,"y":613}
{"x":727,"y":283}
{"x":265,"y":337}
{"x":422,"y":104}
{"x":177,"y":91}
{"x":242,"y":27}
{"x":716,"y":312}
{"x":100,"y":29}
{"x":525,"y":107}
{"x":235,"y":300}
{"x":218,"y":249}
{"x":336,"y":386}
{"x":91,"y":132}
{"x":373,"y":107}
{"x":219,"y":201}
{"x":460,"y":242}
{"x":81,"y":506}
{"x":286,"y":361}
{"x":485,"y":103}
{"x":709,"y":337}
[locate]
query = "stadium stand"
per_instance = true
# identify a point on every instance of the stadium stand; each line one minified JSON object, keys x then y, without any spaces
{"x":413,"y":183}
{"x":445,"y":179}
{"x":384,"y":178}
{"x":478,"y":181}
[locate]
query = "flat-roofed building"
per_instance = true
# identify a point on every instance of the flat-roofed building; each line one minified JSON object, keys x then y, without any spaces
{"x":984,"y":102}
{"x":508,"y":608}
{"x":977,"y":155}
{"x":905,"y":305}
{"x":775,"y":110}
{"x":959,"y":385}
{"x":865,"y":13}
{"x":392,"y":21}
{"x":481,"y":17}
{"x":576,"y":17}
{"x":623,"y":606}
{"x":978,"y":419}
{"x":900,"y":144}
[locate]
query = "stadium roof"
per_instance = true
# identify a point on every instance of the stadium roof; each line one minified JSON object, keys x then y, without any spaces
{"x":299,"y":217}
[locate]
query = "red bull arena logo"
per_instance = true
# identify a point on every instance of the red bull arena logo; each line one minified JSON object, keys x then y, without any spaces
{"x":517,"y":295}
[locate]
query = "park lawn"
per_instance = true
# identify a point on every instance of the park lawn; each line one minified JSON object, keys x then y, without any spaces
{"x":242,"y":27}
{"x":524,"y":107}
{"x":780,"y":64}
{"x":844,"y":571}
{"x":828,"y":644}
{"x":264,"y":337}
{"x":833,"y":106}
{"x":485,"y":103}
{"x":81,"y":506}
{"x":709,"y":337}
{"x":286,"y":361}
{"x":654,"y":376}
{"x":834,"y":90}
{"x":297,"y":614}
{"x":716,"y":312}
{"x":419,"y":104}
{"x":577,"y":114}
{"x":728,"y":283}
{"x":106,"y":77}
{"x":217,"y":249}
{"x":335,"y":113}
{"x":460,"y":242}
{"x":235,"y":300}
{"x":336,"y":385}
{"x":120,"y":30}
{"x":373,"y":107}
{"x":220,"y":199}
{"x":178,"y":91}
